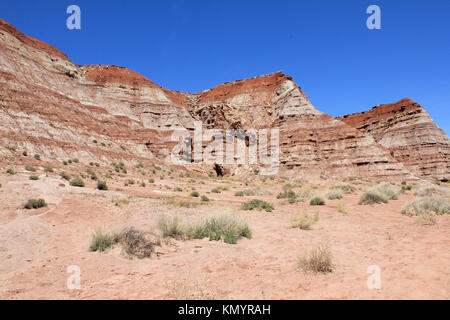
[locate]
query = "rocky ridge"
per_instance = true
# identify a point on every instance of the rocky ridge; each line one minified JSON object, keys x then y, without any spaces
{"x":55,"y":108}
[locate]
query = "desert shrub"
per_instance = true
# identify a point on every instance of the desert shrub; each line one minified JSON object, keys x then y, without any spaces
{"x":101,"y":185}
{"x":69,"y":161}
{"x":75,"y":160}
{"x":25,"y":153}
{"x":257,"y":204}
{"x":64,"y":162}
{"x":171,"y":227}
{"x":379,"y":194}
{"x":94,"y":141}
{"x":37,"y":157}
{"x":342,"y":208}
{"x":215,"y":190}
{"x":35,"y":203}
{"x":178,"y":189}
{"x":77,"y":182}
{"x":10,"y":171}
{"x":64,"y":175}
{"x":407,"y":187}
{"x":137,"y":243}
{"x":205,"y":199}
{"x":130,"y":181}
{"x":48,"y":169}
{"x":195,"y":194}
{"x":101,"y":240}
{"x":239,"y":193}
{"x":33,"y":177}
{"x":287,"y":194}
{"x":306,"y":194}
{"x":429,"y":204}
{"x":143,"y":184}
{"x":333,"y":194}
{"x":317,"y":260}
{"x":30,"y":168}
{"x":345,"y":188}
{"x":425,"y":192}
{"x":151,"y":180}
{"x":304,"y":221}
{"x":229,"y":228}
{"x":317,"y":201}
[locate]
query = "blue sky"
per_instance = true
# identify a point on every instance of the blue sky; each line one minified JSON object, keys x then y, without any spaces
{"x":325,"y":46}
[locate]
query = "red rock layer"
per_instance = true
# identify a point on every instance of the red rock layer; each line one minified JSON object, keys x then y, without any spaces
{"x":411,"y":136}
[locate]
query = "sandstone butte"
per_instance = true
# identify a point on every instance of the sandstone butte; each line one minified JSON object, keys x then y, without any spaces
{"x":55,"y":108}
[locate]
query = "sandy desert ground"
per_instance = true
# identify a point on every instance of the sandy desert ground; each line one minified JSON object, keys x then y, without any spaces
{"x":38,"y":245}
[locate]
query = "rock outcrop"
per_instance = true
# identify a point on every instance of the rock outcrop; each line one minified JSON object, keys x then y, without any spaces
{"x":50,"y":106}
{"x":411,"y":136}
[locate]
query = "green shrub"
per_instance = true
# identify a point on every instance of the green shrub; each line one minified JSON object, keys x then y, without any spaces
{"x":317,"y":201}
{"x":37,"y":157}
{"x":178,"y":189}
{"x":239,"y":193}
{"x":215,"y":190}
{"x":77,"y":182}
{"x":25,"y":153}
{"x":407,"y":187}
{"x":10,"y":171}
{"x":64,"y":175}
{"x":35,"y":203}
{"x":101,"y":185}
{"x":205,"y":199}
{"x":195,"y":194}
{"x":33,"y":177}
{"x":48,"y":169}
{"x":30,"y":168}
{"x":230,"y":228}
{"x":151,"y":180}
{"x":317,"y":260}
{"x":101,"y":240}
{"x":257,"y":204}
{"x":75,"y":160}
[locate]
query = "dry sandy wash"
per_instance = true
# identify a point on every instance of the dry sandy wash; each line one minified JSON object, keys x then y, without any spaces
{"x":38,"y":245}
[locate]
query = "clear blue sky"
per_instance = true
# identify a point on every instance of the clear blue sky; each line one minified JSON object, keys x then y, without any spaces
{"x":325,"y":46}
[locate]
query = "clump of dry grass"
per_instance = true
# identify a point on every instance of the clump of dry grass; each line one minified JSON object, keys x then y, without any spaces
{"x":333,"y":194}
{"x":426,"y":219}
{"x":171,"y":226}
{"x":101,"y":240}
{"x":317,"y":260}
{"x":304,"y":221}
{"x":342,"y":208}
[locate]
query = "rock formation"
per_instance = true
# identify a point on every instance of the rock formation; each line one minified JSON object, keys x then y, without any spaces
{"x":411,"y":136}
{"x":50,"y":106}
